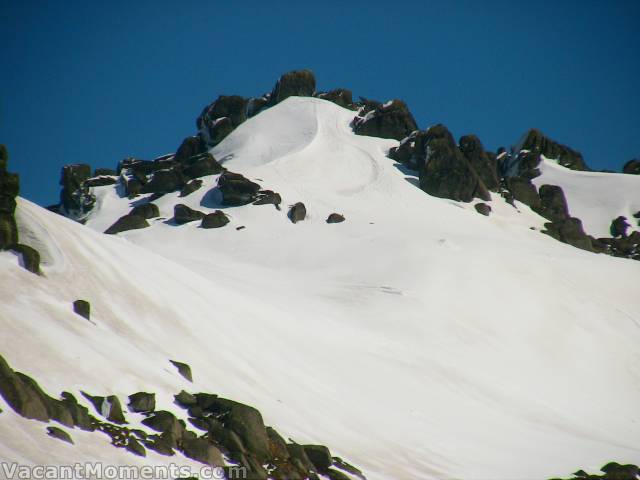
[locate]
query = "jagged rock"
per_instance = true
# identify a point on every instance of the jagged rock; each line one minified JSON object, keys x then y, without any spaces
{"x":183,"y":214}
{"x":569,"y":230}
{"x":100,"y":181}
{"x":185,"y":399}
{"x":483,"y":162}
{"x":79,"y":413}
{"x":524,"y":191}
{"x":339,"y":96}
{"x":297,"y":212}
{"x":75,"y":197}
{"x":190,"y":187}
{"x":482,"y":209}
{"x":164,"y":181}
{"x":30,"y":257}
{"x":221,"y":117}
{"x":619,"y":227}
{"x":109,"y":407}
{"x":127,"y":222}
{"x":256,"y":105}
{"x":142,"y":402}
{"x":342,"y":465}
{"x":189,"y":147}
{"x":446,"y":172}
{"x":277,"y":445}
{"x":632,"y":167}
{"x":201,"y":450}
{"x":216,"y":219}
{"x":146,"y":211}
{"x":20,"y":395}
{"x":82,"y":308}
{"x":319,"y":455}
{"x":183,"y":369}
{"x":136,"y":447}
{"x":335,"y":218}
{"x":298,"y":455}
{"x":390,"y":120}
{"x":535,"y":141}
{"x":236,"y":189}
{"x":164,"y":421}
{"x":8,"y":231}
{"x":300,"y":83}
{"x":60,"y":434}
{"x":553,"y":203}
{"x":268,"y":197}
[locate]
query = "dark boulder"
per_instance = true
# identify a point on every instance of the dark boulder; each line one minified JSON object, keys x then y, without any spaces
{"x":127,"y":222}
{"x":482,"y":209}
{"x":79,"y":413}
{"x":632,"y":167}
{"x":268,"y":197}
{"x":297,"y":212}
{"x":183,"y":369}
{"x":185,"y":399}
{"x":189,"y":147}
{"x":535,"y":141}
{"x":298,"y":455}
{"x":60,"y":434}
{"x":483,"y":162}
{"x":553,"y":203}
{"x":20,"y":395}
{"x":236,"y":189}
{"x":135,"y":447}
{"x":390,"y":120}
{"x":142,"y":402}
{"x":164,"y":181}
{"x":102,"y":172}
{"x":8,"y":231}
{"x":524,"y":191}
{"x":191,"y":187}
{"x":569,"y":231}
{"x":221,"y":117}
{"x":447,"y":173}
{"x":183,"y":214}
{"x":146,"y":211}
{"x":216,"y":219}
{"x":277,"y":445}
{"x":335,"y":218}
{"x":201,"y":165}
{"x":619,"y":227}
{"x":247,"y":423}
{"x":257,"y":104}
{"x":82,"y":308}
{"x":29,"y":257}
{"x":319,"y":456}
{"x":300,"y":83}
{"x":339,"y":96}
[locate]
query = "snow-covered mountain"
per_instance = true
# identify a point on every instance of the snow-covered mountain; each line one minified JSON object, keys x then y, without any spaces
{"x":414,"y":337}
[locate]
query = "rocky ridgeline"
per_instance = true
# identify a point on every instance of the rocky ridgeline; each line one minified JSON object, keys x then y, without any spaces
{"x":220,"y":432}
{"x":461,"y":171}
{"x":9,"y":190}
{"x":611,"y":471}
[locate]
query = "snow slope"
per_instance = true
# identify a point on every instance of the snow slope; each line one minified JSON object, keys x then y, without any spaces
{"x":417,"y":339}
{"x":594,"y":197}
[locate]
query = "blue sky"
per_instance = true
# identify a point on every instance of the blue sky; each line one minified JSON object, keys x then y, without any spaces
{"x":94,"y":82}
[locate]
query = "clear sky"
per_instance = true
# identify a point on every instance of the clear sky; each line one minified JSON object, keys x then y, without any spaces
{"x":94,"y":82}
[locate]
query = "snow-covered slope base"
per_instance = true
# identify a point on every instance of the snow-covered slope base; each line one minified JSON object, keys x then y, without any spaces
{"x":418,"y":339}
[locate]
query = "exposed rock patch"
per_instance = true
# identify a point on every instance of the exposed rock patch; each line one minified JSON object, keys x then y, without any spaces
{"x":299,"y":83}
{"x":216,"y":219}
{"x":389,"y":120}
{"x":127,"y":222}
{"x":482,"y":209}
{"x":183,"y":369}
{"x":297,"y":212}
{"x":183,"y":214}
{"x":82,"y":308}
{"x":236,"y":189}
{"x":60,"y":434}
{"x":146,"y":211}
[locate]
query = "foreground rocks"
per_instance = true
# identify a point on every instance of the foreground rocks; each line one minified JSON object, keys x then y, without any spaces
{"x":127,"y":222}
{"x":611,"y":471}
{"x":389,"y":120}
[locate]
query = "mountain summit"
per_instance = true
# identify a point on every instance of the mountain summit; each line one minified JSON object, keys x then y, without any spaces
{"x":381,"y":295}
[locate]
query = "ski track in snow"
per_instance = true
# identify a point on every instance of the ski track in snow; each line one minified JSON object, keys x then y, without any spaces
{"x":418,"y":339}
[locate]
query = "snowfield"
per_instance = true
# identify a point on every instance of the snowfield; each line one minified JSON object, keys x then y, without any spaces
{"x":417,"y":339}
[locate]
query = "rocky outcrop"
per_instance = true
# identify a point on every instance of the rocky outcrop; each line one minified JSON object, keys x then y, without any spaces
{"x":569,"y":230}
{"x":482,"y":209}
{"x":619,"y":227}
{"x":297,"y":212}
{"x":299,"y":83}
{"x":523,"y":191}
{"x":190,"y":147}
{"x":220,"y":118}
{"x":127,"y":222}
{"x":611,"y":471}
{"x":632,"y":167}
{"x":553,"y":204}
{"x":29,"y":257}
{"x":142,"y":402}
{"x":484,"y":163}
{"x":183,"y":369}
{"x":190,"y":187}
{"x":236,"y":189}
{"x":216,"y":219}
{"x":389,"y":120}
{"x":446,"y":172}
{"x":535,"y":141}
{"x":268,"y":197}
{"x":76,"y":200}
{"x":146,"y":211}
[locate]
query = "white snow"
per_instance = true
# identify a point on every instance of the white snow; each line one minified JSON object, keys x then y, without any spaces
{"x":418,"y":339}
